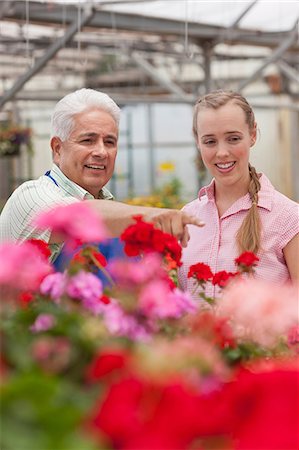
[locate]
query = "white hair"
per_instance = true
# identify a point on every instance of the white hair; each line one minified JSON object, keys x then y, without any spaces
{"x":83,"y":99}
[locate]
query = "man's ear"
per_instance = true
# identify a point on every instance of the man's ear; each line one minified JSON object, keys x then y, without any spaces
{"x":55,"y":144}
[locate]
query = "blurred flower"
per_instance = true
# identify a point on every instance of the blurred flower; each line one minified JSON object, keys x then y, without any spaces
{"x":106,"y":363}
{"x":53,"y":354}
{"x":258,"y":312}
{"x":25,"y":298}
{"x":157,"y":300}
{"x":166,"y":374}
{"x":22,"y":266}
{"x":88,"y":288}
{"x":215,"y":330}
{"x":42,"y":246}
{"x":131,"y":273}
{"x":167,"y":166}
{"x":293,"y":338}
{"x":43,"y":322}
{"x":119,"y":323}
{"x":54,"y":285}
{"x":263,"y":408}
{"x":76,"y":223}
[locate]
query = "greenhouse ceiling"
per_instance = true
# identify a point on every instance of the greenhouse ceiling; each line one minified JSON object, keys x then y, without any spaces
{"x":147,"y":50}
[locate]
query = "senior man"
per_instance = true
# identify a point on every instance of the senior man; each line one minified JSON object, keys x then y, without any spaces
{"x":84,"y":138}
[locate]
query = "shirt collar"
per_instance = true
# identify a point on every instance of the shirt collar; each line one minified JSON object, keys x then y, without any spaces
{"x":208,"y":190}
{"x":265,"y":196}
{"x":74,"y":189}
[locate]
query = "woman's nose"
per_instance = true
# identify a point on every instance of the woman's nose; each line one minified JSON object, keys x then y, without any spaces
{"x":222,"y":150}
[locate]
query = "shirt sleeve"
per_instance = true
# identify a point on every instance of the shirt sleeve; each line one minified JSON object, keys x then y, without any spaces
{"x":24,"y":205}
{"x":289,"y":223}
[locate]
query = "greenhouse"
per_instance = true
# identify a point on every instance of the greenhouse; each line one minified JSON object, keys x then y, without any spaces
{"x":149,"y":225}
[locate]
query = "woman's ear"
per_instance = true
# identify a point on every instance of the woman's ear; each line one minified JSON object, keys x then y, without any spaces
{"x":55,"y":144}
{"x":253,"y":135}
{"x":197,"y":144}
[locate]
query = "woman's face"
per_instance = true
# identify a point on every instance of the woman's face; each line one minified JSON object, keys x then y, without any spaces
{"x":224,"y":140}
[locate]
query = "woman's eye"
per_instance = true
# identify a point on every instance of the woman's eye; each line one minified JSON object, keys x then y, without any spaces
{"x":209,"y":142}
{"x":234,"y":138}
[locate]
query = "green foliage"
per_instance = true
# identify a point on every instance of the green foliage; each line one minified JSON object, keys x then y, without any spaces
{"x":43,"y":412}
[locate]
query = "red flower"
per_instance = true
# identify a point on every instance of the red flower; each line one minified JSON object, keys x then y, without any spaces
{"x":137,"y":414}
{"x":247,"y":259}
{"x":143,"y":237}
{"x":25,"y":298}
{"x":118,"y":415}
{"x":222,"y":278}
{"x":78,"y":258}
{"x":172,"y":248}
{"x":266,"y":410}
{"x":138,"y":237}
{"x":99,"y":258}
{"x":42,"y":246}
{"x":213,"y":329}
{"x":106,"y":363}
{"x":200,"y":272}
{"x":105,"y":299}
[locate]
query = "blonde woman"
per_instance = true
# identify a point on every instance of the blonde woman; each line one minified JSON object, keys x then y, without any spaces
{"x":241,"y":208}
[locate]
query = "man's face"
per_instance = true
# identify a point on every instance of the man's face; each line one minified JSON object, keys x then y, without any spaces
{"x":87,"y":157}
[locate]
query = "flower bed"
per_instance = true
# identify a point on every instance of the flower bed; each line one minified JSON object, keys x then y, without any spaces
{"x":128,"y":361}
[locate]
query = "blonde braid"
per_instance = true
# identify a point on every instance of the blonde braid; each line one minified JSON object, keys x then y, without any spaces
{"x":249,"y":234}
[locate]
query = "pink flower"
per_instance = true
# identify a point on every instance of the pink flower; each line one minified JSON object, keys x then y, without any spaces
{"x":121,"y":324}
{"x":185,"y":304}
{"x":258,"y":311}
{"x":157,"y":300}
{"x":128,"y":273}
{"x":43,"y":322}
{"x":88,"y":288}
{"x":293,"y":338}
{"x":22,"y":266}
{"x":52,"y":353}
{"x":54,"y":285}
{"x":76,"y":223}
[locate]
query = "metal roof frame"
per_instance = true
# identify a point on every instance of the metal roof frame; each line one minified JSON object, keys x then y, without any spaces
{"x":142,"y":40}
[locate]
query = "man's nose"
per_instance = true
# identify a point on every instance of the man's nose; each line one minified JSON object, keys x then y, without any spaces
{"x":99,"y":149}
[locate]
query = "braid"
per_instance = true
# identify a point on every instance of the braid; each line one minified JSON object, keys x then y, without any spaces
{"x":249,"y":234}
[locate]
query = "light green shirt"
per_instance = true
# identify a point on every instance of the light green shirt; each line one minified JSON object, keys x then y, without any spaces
{"x":35,"y":196}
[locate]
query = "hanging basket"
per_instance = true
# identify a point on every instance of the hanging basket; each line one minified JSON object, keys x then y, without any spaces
{"x":11,"y":140}
{"x":9,"y":149}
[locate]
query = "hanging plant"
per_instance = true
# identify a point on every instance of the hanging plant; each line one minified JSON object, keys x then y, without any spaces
{"x":11,"y":139}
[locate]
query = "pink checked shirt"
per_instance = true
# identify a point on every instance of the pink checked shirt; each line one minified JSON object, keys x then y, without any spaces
{"x":215,"y":243}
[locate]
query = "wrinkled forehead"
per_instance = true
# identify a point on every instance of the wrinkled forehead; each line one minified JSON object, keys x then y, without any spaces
{"x":94,"y":120}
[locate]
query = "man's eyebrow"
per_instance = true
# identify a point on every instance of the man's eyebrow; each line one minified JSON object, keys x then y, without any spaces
{"x":88,"y":134}
{"x":114,"y":136}
{"x":93,"y":134}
